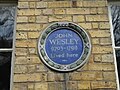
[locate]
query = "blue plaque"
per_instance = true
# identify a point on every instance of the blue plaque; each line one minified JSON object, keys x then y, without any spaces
{"x":64,"y":46}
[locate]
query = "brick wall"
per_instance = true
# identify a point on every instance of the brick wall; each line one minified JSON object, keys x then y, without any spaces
{"x":33,"y":16}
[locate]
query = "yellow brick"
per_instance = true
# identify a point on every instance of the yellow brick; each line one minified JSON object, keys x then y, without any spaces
{"x":60,"y":18}
{"x":108,"y":67}
{"x":99,"y":33}
{"x":78,"y":18}
{"x":29,"y":27}
{"x":21,"y":43}
{"x":56,"y":86}
{"x":32,"y":51}
{"x":20,"y":69}
{"x":20,"y":86}
{"x":27,"y":60}
{"x":104,"y":25}
{"x":44,"y":77}
{"x":38,"y":11}
{"x":26,"y":43}
{"x":72,"y":85}
{"x":22,"y":19}
{"x":89,"y":4}
{"x":32,"y":4}
{"x":23,"y":5}
{"x":79,"y":4}
{"x":95,"y":41}
{"x":102,"y":49}
{"x":88,"y":75}
{"x":59,"y":4}
{"x":85,"y":25}
{"x":95,"y":25}
{"x":33,"y":34}
{"x":22,"y":26}
{"x":95,"y":3}
{"x":21,"y":60}
{"x":21,"y":35}
{"x":55,"y":77}
{"x":26,"y":12}
{"x":41,"y":4}
{"x":84,"y":85}
{"x":96,"y":18}
{"x":78,"y":11}
{"x":107,"y":58}
{"x":103,"y":85}
{"x":51,"y":76}
{"x":102,"y":10}
{"x":21,"y":51}
{"x":40,"y":68}
{"x":27,"y":77}
{"x":92,"y":76}
{"x":34,"y":60}
{"x":93,"y":11}
{"x":31,"y":68}
{"x":95,"y":66}
{"x":105,"y":41}
{"x":41,"y":19}
{"x":28,"y":0}
{"x":47,"y":11}
{"x":32,"y":19}
{"x":41,"y":86}
{"x":32,"y":43}
{"x":91,"y":58}
{"x":97,"y":58}
{"x":59,"y":11}
{"x":109,"y":76}
{"x":30,"y":86}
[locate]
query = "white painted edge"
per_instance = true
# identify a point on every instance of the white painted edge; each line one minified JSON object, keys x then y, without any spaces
{"x":13,"y":52}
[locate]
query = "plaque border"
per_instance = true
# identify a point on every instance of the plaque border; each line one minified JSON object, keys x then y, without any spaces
{"x":69,"y":67}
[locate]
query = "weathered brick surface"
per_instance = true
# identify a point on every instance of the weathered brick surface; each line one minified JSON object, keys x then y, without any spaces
{"x":48,"y":11}
{"x":78,"y":11}
{"x":99,"y":33}
{"x":23,"y":5}
{"x":86,"y":25}
{"x":27,"y":77}
{"x":88,"y":75}
{"x":95,"y":41}
{"x":20,"y":69}
{"x":41,"y":86}
{"x":59,"y":4}
{"x":103,"y":84}
{"x":41,"y":19}
{"x":29,"y":27}
{"x":26,"y":12}
{"x":101,"y":49}
{"x":41,"y":5}
{"x":60,"y":11}
{"x":33,"y":17}
{"x":79,"y":18}
{"x":105,"y":41}
{"x":85,"y":85}
{"x":32,"y":4}
{"x":96,"y":18}
{"x":60,"y":18}
{"x":21,"y":35}
{"x":22,"y":19}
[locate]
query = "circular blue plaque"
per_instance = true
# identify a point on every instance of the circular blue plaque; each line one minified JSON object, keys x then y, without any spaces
{"x":64,"y":46}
